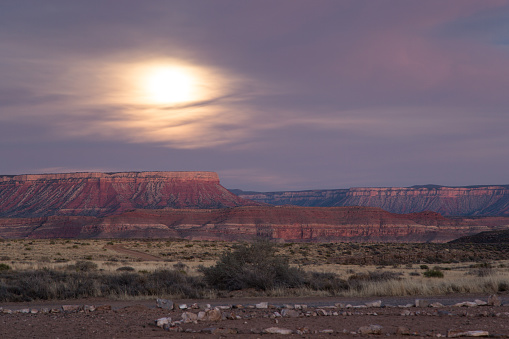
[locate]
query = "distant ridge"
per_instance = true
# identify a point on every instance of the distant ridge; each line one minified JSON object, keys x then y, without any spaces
{"x":100,"y":194}
{"x":474,"y":201}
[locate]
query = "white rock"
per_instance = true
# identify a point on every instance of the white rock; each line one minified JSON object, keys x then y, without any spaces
{"x":371,"y":329}
{"x":480,"y":302}
{"x":290,"y":313}
{"x":163,"y":321}
{"x":164,"y":303}
{"x":201,"y":315}
{"x":494,"y":300}
{"x":189,"y":317}
{"x":457,"y":334}
{"x":277,"y":330}
{"x":263,"y":304}
{"x":421,"y":303}
{"x":183,"y":306}
{"x":377,"y":303}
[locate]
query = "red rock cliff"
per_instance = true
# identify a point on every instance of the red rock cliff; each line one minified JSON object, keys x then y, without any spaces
{"x":100,"y":194}
{"x":451,"y":201}
{"x":289,"y":223}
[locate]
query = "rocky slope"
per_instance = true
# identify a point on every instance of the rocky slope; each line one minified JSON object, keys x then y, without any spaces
{"x":449,"y":201}
{"x":289,"y":223}
{"x":100,"y":194}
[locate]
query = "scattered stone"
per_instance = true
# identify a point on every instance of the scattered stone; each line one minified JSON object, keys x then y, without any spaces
{"x":6,"y":311}
{"x":183,"y":306}
{"x":224,"y":307}
{"x":321,"y":312}
{"x":277,"y":315}
{"x":103,"y":308}
{"x":405,"y":306}
{"x":189,"y":317}
{"x":89,"y":308}
{"x":45,"y":310}
{"x":406,"y":313}
{"x":219,"y":331}
{"x":71,"y":308}
{"x":263,"y":304}
{"x":480,"y":302}
{"x":288,"y":306}
{"x":172,"y":328}
{"x":339,"y":305}
{"x":421,"y":303}
{"x":327,"y":331}
{"x":457,"y":334}
{"x":302,"y":330}
{"x":277,"y":330}
{"x":494,"y":300}
{"x":163,"y":321}
{"x":195,"y":306}
{"x":402,"y":330}
{"x":213,"y":315}
{"x":436,"y":305}
{"x":34,"y":311}
{"x":164,"y":303}
{"x":371,"y":329}
{"x":290,"y":313}
{"x":377,"y":303}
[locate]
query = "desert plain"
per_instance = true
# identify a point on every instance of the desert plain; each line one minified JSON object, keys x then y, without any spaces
{"x":382,"y":284}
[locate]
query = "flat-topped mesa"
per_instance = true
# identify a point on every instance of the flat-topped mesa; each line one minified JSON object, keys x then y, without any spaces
{"x":492,"y":200}
{"x":182,"y":176}
{"x":101,"y":194}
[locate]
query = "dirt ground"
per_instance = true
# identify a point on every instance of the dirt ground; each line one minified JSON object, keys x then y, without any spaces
{"x":135,"y":319}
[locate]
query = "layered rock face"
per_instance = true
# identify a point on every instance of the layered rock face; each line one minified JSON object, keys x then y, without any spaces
{"x":449,"y":201}
{"x":289,"y":223}
{"x":100,"y":194}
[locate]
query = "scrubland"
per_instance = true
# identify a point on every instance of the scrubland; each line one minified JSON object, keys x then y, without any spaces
{"x":71,"y":268}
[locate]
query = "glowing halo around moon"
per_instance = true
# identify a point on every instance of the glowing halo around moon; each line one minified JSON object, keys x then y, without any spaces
{"x":170,"y":85}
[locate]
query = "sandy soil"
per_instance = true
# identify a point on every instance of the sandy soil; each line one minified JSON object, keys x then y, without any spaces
{"x":137,"y":254}
{"x":135,"y":319}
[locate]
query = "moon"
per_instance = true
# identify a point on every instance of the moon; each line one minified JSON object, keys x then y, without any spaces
{"x":170,"y":85}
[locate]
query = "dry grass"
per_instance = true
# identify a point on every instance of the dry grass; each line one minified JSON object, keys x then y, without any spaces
{"x":460,"y":275}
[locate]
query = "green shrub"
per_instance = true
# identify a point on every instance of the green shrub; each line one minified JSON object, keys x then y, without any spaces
{"x":424,"y":267}
{"x":252,"y":266}
{"x":4,"y":267}
{"x":433,"y":273}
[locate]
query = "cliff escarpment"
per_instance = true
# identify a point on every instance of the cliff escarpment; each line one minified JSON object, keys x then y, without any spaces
{"x":101,"y":194}
{"x":448,"y":201}
{"x":288,"y":223}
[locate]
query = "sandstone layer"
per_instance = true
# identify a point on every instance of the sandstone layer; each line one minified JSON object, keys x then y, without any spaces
{"x":289,"y":223}
{"x":101,"y":194}
{"x":448,"y":201}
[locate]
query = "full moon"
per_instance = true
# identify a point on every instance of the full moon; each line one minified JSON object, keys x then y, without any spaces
{"x":170,"y":85}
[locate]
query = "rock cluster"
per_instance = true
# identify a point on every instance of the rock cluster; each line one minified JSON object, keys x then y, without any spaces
{"x":214,"y":315}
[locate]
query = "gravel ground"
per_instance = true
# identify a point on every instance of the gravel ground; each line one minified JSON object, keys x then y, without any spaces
{"x":136,"y":319}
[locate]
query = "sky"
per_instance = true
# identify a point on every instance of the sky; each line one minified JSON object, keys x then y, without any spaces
{"x":270,"y":94}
